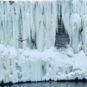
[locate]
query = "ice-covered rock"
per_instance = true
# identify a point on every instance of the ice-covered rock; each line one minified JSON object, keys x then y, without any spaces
{"x":39,"y":25}
{"x":32,"y":65}
{"x":37,"y":22}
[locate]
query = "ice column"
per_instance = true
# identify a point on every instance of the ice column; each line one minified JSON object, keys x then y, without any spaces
{"x":84,"y":34}
{"x":75,"y":32}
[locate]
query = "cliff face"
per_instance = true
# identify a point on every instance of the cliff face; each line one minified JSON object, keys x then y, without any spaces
{"x":38,"y":24}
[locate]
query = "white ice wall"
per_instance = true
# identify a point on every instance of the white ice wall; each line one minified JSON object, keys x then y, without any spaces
{"x":18,"y":65}
{"x":38,"y":23}
{"x":74,"y":18}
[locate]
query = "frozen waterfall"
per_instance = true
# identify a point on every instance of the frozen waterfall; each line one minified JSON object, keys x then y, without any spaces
{"x":38,"y":23}
{"x":39,"y":27}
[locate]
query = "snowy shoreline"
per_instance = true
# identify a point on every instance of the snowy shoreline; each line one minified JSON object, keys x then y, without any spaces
{"x":49,"y":81}
{"x":19,"y":65}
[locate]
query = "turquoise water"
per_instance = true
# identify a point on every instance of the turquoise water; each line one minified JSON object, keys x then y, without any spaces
{"x":51,"y":84}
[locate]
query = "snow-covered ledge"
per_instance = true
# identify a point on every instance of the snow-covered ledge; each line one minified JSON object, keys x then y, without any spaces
{"x":18,"y":65}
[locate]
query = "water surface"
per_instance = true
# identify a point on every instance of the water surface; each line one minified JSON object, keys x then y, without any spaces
{"x":51,"y":84}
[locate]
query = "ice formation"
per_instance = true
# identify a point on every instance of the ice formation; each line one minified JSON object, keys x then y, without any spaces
{"x":38,"y":23}
{"x":18,"y":65}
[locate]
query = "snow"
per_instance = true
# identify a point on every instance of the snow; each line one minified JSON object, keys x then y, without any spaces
{"x":18,"y":65}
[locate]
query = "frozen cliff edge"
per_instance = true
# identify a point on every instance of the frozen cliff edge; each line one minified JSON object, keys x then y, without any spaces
{"x":18,"y":65}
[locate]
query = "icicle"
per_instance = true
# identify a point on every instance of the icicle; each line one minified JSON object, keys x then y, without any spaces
{"x":75,"y":29}
{"x":38,"y":22}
